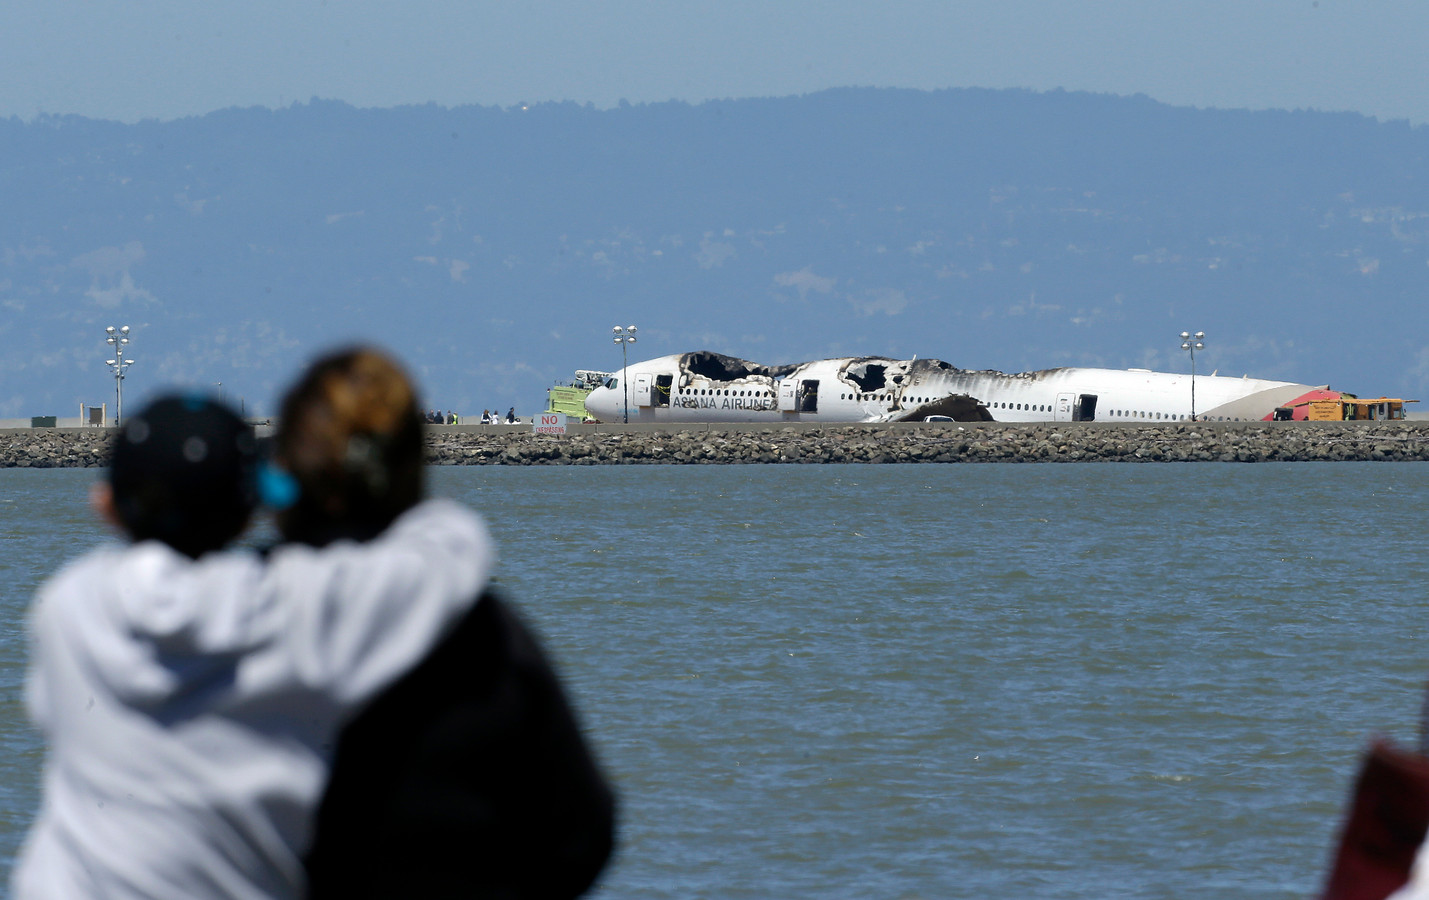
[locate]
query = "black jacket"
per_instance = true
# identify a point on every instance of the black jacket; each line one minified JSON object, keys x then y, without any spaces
{"x":467,"y":778}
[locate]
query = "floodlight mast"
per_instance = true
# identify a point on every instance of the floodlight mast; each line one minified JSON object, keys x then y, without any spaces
{"x":1193,"y":342}
{"x":624,"y":337}
{"x":119,"y":340}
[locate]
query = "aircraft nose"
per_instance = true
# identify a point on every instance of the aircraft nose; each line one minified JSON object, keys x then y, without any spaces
{"x":595,"y":402}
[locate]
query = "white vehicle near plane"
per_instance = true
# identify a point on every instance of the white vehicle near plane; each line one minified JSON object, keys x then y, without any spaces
{"x":710,"y":387}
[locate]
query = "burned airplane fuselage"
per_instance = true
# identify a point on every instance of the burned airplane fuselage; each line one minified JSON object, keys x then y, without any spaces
{"x":711,"y":387}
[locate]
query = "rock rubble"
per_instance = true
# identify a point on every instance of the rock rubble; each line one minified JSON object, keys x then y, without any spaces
{"x":803,"y":444}
{"x":947,"y":443}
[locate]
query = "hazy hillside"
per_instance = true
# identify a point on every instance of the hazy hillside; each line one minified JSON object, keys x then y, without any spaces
{"x":494,"y":249}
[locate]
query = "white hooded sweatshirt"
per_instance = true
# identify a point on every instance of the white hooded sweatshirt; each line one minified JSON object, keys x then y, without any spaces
{"x":191,"y":707}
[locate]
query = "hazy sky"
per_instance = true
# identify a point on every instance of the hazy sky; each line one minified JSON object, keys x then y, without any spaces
{"x":133,"y":59}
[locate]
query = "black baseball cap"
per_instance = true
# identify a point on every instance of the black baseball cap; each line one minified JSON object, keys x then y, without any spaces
{"x":183,"y":472}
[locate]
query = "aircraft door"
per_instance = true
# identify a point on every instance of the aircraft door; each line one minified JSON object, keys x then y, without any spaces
{"x":786,"y":396}
{"x":1086,"y":408}
{"x":662,"y":390}
{"x":640,"y":390}
{"x":809,"y":396}
{"x":1062,"y":412}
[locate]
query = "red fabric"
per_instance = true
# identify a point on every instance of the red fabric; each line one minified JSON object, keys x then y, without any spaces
{"x":1384,"y":827}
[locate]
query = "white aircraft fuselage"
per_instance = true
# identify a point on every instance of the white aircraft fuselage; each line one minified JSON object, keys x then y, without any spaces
{"x":711,"y":387}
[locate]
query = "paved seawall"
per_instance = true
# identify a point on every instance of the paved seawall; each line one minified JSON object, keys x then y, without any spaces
{"x":802,"y":443}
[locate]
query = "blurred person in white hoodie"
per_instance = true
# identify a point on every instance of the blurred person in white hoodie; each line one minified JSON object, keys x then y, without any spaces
{"x":191,"y":698}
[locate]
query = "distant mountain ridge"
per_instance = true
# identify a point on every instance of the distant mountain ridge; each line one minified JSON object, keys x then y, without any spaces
{"x":493,"y":249}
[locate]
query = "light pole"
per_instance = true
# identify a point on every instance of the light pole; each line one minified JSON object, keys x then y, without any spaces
{"x":624,"y":337}
{"x":118,"y":340}
{"x":1193,"y":342}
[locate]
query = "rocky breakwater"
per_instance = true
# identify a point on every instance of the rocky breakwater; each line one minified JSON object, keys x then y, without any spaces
{"x":50,"y":448}
{"x":940,"y":443}
{"x":901,"y":443}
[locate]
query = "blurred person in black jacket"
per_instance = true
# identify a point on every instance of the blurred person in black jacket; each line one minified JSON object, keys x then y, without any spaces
{"x":469,"y":776}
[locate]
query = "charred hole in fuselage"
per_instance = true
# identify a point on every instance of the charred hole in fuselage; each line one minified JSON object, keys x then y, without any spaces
{"x":869,"y":376}
{"x":718,"y":367}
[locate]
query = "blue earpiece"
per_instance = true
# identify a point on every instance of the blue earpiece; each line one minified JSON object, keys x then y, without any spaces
{"x":276,"y":488}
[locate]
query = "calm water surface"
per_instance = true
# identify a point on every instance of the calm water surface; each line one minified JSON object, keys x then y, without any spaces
{"x":1080,"y":681}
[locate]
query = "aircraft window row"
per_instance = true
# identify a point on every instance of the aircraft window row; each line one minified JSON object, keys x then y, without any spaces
{"x":706,"y":392}
{"x":1143,"y":414}
{"x":1028,"y":407}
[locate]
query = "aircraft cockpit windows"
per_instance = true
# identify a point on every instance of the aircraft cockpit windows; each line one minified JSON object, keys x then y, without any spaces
{"x":612,"y":382}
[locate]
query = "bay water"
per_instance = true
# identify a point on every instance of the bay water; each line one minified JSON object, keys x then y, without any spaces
{"x":1061,"y":681}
